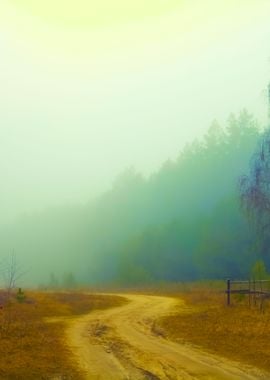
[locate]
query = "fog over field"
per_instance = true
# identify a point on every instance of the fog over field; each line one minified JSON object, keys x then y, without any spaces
{"x":98,"y":102}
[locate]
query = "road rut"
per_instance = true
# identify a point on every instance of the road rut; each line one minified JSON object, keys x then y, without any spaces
{"x":120,"y":343}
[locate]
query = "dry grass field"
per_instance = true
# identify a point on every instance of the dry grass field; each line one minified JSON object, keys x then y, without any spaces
{"x":32,"y":348}
{"x":33,"y":342}
{"x":238,"y":332}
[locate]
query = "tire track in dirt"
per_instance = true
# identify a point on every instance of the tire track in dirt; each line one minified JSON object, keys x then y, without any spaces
{"x":120,"y":343}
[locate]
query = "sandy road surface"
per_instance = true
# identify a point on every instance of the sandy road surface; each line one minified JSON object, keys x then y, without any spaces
{"x":119,"y":343}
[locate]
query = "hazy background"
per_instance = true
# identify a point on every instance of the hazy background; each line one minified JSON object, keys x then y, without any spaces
{"x":89,"y":88}
{"x":98,"y":101}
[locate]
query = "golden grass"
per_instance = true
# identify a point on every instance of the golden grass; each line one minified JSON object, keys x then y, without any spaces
{"x":31,"y":348}
{"x":237,"y":332}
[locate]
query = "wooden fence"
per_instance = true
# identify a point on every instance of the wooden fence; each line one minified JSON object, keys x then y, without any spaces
{"x":255,"y":289}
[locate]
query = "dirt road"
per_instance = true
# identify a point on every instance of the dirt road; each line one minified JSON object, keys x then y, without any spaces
{"x":120,"y":343}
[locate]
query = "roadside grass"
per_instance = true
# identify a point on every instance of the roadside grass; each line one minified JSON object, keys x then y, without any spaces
{"x":33,"y":349}
{"x":167,"y":288}
{"x":238,"y":332}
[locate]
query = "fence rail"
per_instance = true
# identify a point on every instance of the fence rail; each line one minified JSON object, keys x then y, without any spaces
{"x":252,"y":288}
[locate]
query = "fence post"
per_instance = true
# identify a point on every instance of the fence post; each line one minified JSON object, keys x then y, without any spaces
{"x":249,"y":294}
{"x":228,"y":292}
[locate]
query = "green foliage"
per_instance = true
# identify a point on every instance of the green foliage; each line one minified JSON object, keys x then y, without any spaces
{"x":20,"y":296}
{"x":258,"y":271}
{"x":69,"y":281}
{"x":54,"y":283}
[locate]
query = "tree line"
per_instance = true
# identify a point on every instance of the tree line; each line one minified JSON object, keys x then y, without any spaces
{"x":185,"y":222}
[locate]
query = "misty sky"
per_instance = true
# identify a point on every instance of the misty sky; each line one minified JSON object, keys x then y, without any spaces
{"x":89,"y":88}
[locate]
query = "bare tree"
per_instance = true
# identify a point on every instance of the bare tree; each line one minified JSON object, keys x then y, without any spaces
{"x":11,"y":273}
{"x":255,"y":191}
